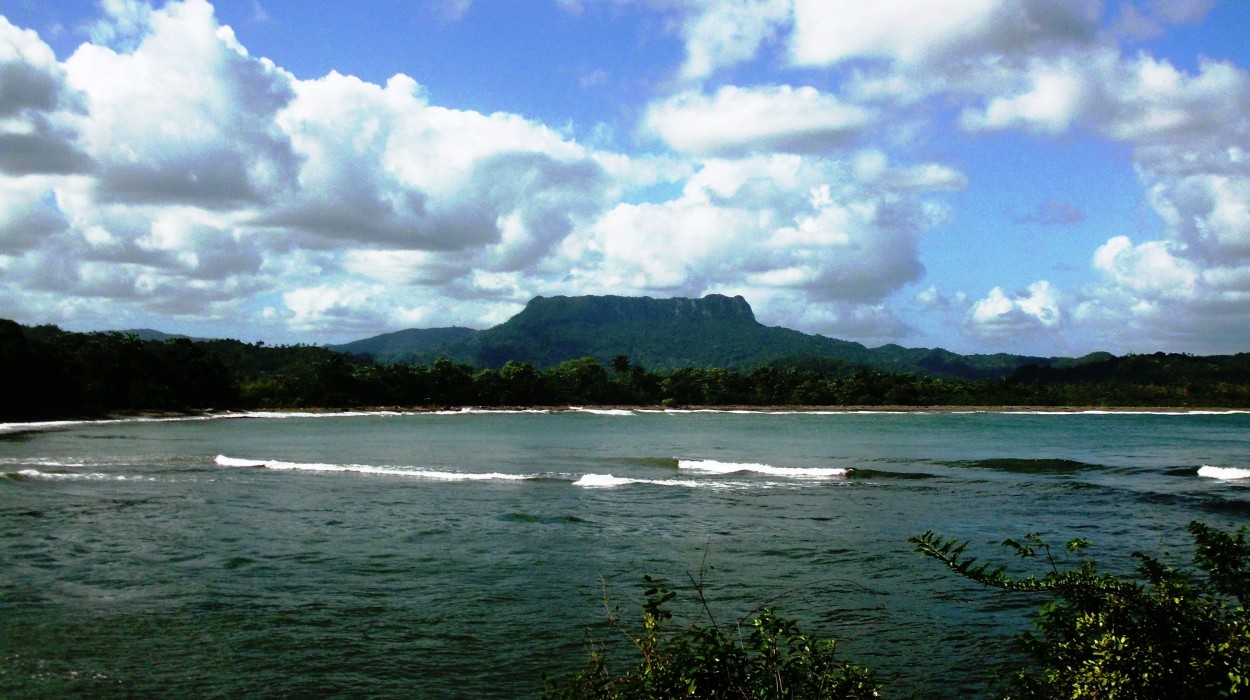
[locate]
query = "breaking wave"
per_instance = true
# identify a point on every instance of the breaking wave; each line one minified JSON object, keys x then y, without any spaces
{"x":1223,"y":473}
{"x":710,"y":466}
{"x":1117,"y":412}
{"x":600,"y":481}
{"x":236,"y":462}
{"x":473,"y":411}
{"x":603,"y":411}
{"x":67,"y":463}
{"x":36,"y":426}
{"x":36,"y":475}
{"x":308,"y":414}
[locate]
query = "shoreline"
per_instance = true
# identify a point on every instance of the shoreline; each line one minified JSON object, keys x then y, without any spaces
{"x":735,"y":408}
{"x":14,"y":427}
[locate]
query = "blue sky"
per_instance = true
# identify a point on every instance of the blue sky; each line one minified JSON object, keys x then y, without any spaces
{"x":1040,"y":176}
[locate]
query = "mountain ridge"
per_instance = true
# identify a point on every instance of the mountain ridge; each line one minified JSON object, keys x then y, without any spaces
{"x":667,"y":334}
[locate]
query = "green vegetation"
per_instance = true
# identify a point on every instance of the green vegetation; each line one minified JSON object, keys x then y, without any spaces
{"x":50,"y":373}
{"x":767,"y":657}
{"x":409,"y":346}
{"x":1163,"y":633}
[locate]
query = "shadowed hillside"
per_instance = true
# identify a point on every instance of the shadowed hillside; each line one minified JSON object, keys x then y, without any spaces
{"x":409,"y":345}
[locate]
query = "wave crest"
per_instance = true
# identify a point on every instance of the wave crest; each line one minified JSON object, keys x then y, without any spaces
{"x":36,"y":475}
{"x":1223,"y":473}
{"x":224,"y":461}
{"x":608,"y":481}
{"x":711,"y":466}
{"x":600,"y":481}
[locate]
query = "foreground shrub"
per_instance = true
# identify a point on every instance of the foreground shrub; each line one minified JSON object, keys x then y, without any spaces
{"x":1164,"y":633}
{"x":767,"y":657}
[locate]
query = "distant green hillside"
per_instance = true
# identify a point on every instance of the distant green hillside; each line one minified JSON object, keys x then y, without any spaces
{"x":666,"y":334}
{"x":407,"y":345}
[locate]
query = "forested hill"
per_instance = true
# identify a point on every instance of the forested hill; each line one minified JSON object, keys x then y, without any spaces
{"x":412,"y":345}
{"x":716,"y":331}
{"x":667,"y":334}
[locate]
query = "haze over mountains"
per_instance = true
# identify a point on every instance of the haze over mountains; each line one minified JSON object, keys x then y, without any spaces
{"x":666,"y":334}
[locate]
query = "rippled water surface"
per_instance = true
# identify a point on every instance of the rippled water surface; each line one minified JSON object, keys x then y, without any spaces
{"x":464,"y":555}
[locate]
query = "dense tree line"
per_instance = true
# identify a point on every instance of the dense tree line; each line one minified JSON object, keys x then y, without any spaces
{"x":51,"y":373}
{"x":1157,"y":380}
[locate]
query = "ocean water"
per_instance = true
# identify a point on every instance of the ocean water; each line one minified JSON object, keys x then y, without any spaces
{"x":464,"y":555}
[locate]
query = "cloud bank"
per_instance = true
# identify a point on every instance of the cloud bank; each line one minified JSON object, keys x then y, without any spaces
{"x":163,"y":171}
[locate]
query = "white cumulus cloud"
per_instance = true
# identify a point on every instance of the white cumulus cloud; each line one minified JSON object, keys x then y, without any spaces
{"x":728,"y":32}
{"x":805,"y":150}
{"x":1016,"y":317}
{"x":739,"y":121}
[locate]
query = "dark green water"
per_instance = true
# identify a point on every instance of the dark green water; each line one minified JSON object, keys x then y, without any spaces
{"x":440,"y":556}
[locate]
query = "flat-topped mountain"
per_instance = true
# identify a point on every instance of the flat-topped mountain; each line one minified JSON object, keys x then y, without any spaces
{"x":664,"y":334}
{"x":715,"y":331}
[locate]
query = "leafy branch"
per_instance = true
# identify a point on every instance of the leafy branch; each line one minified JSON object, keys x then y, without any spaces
{"x":1164,"y":633}
{"x":768,"y":657}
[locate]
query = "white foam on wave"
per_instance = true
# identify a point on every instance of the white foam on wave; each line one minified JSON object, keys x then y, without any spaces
{"x":1118,"y":412}
{"x":476,"y":411}
{"x":57,"y":424}
{"x":77,"y":476}
{"x":45,"y":462}
{"x":1224,"y":473}
{"x":834,"y":411}
{"x":279,"y":465}
{"x":602,"y":481}
{"x":464,"y":411}
{"x":687,"y":411}
{"x":306,"y":414}
{"x":609,"y":481}
{"x":224,"y":461}
{"x":231,"y":415}
{"x":711,"y":466}
{"x":831,"y":411}
{"x":469,"y":410}
{"x":457,"y":411}
{"x":39,"y":425}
